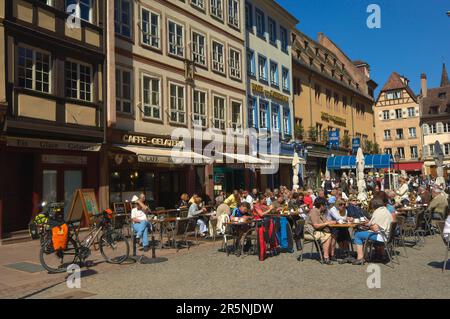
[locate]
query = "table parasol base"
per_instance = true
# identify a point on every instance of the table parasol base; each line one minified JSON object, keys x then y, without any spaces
{"x":147,"y":261}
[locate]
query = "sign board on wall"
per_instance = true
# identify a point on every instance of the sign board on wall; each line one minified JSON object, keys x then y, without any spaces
{"x":52,"y":144}
{"x":333,"y":139}
{"x":356,"y":143}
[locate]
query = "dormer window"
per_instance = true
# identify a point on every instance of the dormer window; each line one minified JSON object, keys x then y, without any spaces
{"x":434,"y":110}
{"x":442,"y":95}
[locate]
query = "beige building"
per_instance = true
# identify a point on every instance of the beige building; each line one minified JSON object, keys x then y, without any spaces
{"x":397,"y":124}
{"x":177,"y":64}
{"x":435,"y":122}
{"x":331,"y":93}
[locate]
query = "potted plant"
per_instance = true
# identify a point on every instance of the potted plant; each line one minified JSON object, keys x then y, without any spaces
{"x":312,"y":133}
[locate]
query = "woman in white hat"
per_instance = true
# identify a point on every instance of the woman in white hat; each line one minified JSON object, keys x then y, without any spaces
{"x":141,"y":226}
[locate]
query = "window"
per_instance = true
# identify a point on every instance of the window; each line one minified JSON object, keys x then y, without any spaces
{"x":386,"y":115}
{"x":122,"y":17}
{"x":431,"y":149}
{"x":284,"y":40}
{"x":401,"y":152}
{"x":286,"y":121}
{"x":47,"y":2}
{"x":274,"y":81}
{"x":150,"y":28}
{"x":263,"y":114}
{"x":412,"y":132}
{"x":411,"y":112}
{"x":198,"y":3}
{"x":272,"y":32}
{"x":317,"y":93}
{"x":388,"y":151}
{"x":328,"y":97}
{"x":275,"y":123}
{"x":434,"y":110}
{"x":433,"y":129}
{"x":248,"y":16}
{"x":233,"y":13}
{"x":216,"y":9}
{"x":251,"y":112}
{"x":387,"y":134}
{"x":236,"y":116}
{"x":217,"y":57}
{"x":84,"y":7}
{"x":176,"y":39}
{"x":442,"y":95}
{"x":219,"y":113}
{"x":34,"y":69}
{"x":152,"y":97}
{"x":391,"y":95}
{"x":123,"y":91}
{"x":260,"y":23}
{"x":177,"y":105}
{"x":251,"y":63}
{"x":235,"y":64}
{"x":414,"y":152}
{"x":262,"y":64}
{"x":285,"y":79}
{"x":447,"y":149}
{"x":198,"y":48}
{"x":78,"y":81}
{"x":199,"y":108}
{"x":447,"y":127}
{"x":398,"y":113}
{"x":399,"y":133}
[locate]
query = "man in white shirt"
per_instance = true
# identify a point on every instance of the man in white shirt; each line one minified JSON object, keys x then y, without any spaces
{"x":246,"y":197}
{"x":141,"y":226}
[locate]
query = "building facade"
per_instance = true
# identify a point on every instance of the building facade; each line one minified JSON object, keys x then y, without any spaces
{"x":51,"y":91}
{"x":269,"y":75}
{"x":178,"y":66}
{"x":435,"y":122}
{"x":397,"y":124}
{"x":331,"y":93}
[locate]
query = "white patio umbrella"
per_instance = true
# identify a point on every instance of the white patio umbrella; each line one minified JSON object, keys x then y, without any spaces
{"x":360,"y":174}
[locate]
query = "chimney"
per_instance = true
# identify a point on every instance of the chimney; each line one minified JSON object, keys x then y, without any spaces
{"x":423,"y":85}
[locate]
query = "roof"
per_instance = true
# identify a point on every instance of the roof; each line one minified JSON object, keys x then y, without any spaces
{"x":395,"y":83}
{"x":444,"y":78}
{"x":433,"y":99}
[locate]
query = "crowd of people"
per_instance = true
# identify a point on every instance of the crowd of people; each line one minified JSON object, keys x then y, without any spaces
{"x":337,"y":201}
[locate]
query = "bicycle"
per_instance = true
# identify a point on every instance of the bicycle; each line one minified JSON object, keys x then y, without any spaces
{"x":114,"y":247}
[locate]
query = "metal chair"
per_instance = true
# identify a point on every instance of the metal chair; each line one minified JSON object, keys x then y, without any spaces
{"x":400,"y":238}
{"x":388,"y":243}
{"x":441,"y":225}
{"x":411,"y":228}
{"x":181,"y":227}
{"x":314,"y":242}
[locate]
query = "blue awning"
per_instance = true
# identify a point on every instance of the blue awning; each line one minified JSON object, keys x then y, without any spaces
{"x":349,"y":162}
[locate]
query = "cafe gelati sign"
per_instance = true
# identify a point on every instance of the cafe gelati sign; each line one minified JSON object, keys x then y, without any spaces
{"x":148,"y":141}
{"x":259,"y":89}
{"x":335,"y":119}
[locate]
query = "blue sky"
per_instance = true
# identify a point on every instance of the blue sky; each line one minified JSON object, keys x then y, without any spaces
{"x":414,"y":37}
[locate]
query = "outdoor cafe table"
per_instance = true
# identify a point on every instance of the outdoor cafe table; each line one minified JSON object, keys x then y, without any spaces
{"x":236,"y":233}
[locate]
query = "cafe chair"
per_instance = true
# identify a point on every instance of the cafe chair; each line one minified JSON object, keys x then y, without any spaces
{"x":399,"y":237}
{"x":427,"y":218}
{"x":441,"y":225}
{"x":303,"y":241}
{"x":181,"y":230}
{"x":251,"y":237}
{"x":389,"y":244}
{"x":413,"y":229}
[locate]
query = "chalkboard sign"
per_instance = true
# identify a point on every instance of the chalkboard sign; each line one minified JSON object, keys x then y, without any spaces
{"x":84,"y":203}
{"x":119,"y":208}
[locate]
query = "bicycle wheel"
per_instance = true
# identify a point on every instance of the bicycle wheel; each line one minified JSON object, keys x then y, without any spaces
{"x":57,"y":262}
{"x":114,"y":247}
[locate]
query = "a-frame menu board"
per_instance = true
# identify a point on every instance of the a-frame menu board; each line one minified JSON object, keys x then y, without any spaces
{"x":84,"y":204}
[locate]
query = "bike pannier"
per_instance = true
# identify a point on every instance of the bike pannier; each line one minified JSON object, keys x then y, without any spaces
{"x":59,"y":237}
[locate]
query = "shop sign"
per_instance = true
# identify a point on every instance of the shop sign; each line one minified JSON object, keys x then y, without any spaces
{"x":52,"y":145}
{"x":147,"y":141}
{"x":64,"y":160}
{"x":153,"y":159}
{"x":269,"y":94}
{"x":335,"y":119}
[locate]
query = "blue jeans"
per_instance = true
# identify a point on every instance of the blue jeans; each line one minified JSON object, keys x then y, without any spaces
{"x":141,"y":229}
{"x":361,"y":236}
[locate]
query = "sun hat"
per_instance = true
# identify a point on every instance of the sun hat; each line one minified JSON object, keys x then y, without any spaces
{"x":134,"y":199}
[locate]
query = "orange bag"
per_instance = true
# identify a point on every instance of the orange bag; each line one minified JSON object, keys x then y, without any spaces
{"x":59,"y":237}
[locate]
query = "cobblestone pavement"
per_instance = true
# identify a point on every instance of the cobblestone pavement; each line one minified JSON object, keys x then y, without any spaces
{"x":203,"y":272}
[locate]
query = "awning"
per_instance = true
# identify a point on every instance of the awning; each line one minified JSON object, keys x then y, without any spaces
{"x":243,"y":158}
{"x":370,"y":161}
{"x":413,"y":166}
{"x":282,"y":159}
{"x":164,"y":155}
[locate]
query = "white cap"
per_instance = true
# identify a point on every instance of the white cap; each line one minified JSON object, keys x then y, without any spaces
{"x":134,"y":199}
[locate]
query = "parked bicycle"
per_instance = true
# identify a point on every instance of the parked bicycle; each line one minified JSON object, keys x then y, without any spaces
{"x":113,"y":246}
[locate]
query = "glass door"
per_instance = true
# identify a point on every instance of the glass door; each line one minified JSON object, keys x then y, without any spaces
{"x":73,"y":180}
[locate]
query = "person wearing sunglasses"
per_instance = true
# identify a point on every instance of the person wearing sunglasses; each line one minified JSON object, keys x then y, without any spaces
{"x":338,"y":213}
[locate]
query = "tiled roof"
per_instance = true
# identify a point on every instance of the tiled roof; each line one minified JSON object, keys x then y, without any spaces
{"x":395,"y":83}
{"x":433,"y":99}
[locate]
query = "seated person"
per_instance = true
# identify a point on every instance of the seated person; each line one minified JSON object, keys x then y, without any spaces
{"x":194,"y":211}
{"x":381,"y":220}
{"x":233,"y":200}
{"x":242,"y":211}
{"x":316,"y":227}
{"x":439,"y":204}
{"x":141,"y":226}
{"x":353,"y":209}
{"x":222,"y":216}
{"x":260,"y":208}
{"x":294,"y":204}
{"x":338,"y":213}
{"x":184,"y":201}
{"x":278,"y":205}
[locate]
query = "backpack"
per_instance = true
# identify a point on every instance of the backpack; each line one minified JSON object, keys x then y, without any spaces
{"x":284,"y":235}
{"x":60,"y":235}
{"x":34,"y":225}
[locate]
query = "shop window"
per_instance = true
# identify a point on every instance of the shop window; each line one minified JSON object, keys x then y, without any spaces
{"x":50,"y":186}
